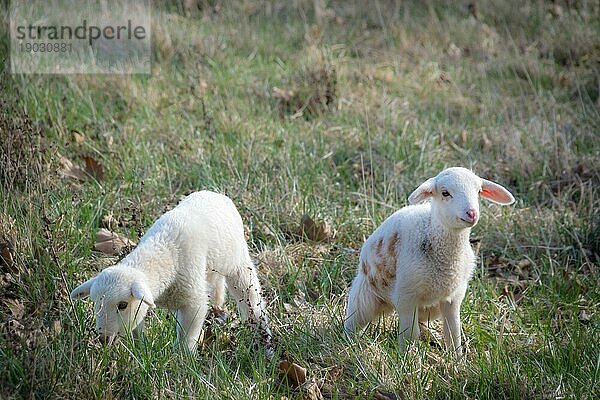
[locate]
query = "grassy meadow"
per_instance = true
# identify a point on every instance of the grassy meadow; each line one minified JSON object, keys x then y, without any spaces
{"x":323,"y":115}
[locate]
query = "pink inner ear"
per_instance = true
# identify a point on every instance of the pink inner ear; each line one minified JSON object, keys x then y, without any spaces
{"x":427,"y":189}
{"x":496,"y":193}
{"x":420,"y":196}
{"x":489,"y":194}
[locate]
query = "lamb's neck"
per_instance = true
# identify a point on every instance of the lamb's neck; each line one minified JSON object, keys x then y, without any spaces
{"x":448,"y":238}
{"x":155,"y":262}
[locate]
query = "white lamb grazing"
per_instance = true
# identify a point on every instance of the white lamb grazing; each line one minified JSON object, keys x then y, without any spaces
{"x":419,"y":261}
{"x":190,"y":252}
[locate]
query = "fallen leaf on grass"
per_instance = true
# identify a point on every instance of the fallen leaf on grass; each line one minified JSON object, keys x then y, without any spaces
{"x":295,"y":374}
{"x":485,"y":143}
{"x":464,"y":137}
{"x":110,"y":243}
{"x":78,"y":137}
{"x":94,"y":168}
{"x":315,"y":231}
{"x":71,"y":170}
{"x":328,"y":385}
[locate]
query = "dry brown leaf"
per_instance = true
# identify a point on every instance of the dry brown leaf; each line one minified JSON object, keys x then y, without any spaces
{"x":78,"y":137}
{"x":295,"y":374}
{"x":315,"y":231}
{"x":110,"y":243}
{"x":71,"y":170}
{"x":94,"y":168}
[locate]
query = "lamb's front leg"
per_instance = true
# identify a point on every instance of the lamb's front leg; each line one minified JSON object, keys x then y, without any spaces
{"x":189,"y":323}
{"x":450,"y":311}
{"x":408,"y":314}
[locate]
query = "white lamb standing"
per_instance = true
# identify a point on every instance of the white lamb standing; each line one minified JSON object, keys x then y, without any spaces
{"x":189,"y":253}
{"x":419,"y":261}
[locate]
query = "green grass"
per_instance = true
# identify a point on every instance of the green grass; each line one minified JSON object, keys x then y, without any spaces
{"x":512,"y":94}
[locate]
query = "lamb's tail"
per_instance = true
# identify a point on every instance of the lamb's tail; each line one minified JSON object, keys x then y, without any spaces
{"x":363,"y":305}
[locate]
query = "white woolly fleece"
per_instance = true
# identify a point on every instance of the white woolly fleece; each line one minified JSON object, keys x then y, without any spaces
{"x":419,"y":260}
{"x":190,"y":252}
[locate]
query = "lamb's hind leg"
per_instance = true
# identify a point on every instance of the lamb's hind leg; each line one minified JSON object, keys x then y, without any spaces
{"x":218,"y":295}
{"x":246,"y":290}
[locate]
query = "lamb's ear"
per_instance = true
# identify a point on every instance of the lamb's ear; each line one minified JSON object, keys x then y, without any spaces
{"x":426,"y":190}
{"x":496,"y":193}
{"x":142,"y":292}
{"x":82,"y":291}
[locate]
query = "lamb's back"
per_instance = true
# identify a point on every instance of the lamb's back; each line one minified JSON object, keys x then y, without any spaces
{"x":204,"y":224}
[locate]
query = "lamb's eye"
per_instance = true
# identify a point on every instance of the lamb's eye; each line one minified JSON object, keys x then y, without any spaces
{"x":122,"y":305}
{"x":446,"y":193}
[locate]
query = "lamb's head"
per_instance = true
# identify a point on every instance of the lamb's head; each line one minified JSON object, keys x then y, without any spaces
{"x":454,"y":194}
{"x":121,"y":299}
